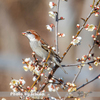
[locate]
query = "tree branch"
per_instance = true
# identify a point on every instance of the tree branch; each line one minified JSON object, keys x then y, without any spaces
{"x":88,"y":82}
{"x":81,"y":28}
{"x":56,"y":27}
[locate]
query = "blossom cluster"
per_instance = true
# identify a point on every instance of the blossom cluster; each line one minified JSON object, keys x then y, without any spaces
{"x":71,"y":87}
{"x":17,"y":85}
{"x":51,"y":88}
{"x":33,"y":67}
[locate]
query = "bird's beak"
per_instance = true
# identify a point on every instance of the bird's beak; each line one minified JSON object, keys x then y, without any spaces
{"x":23,"y":33}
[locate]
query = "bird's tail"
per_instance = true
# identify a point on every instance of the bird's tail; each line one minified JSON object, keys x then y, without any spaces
{"x":58,"y":63}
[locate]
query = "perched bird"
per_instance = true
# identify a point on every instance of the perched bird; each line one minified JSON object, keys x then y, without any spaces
{"x":41,"y":48}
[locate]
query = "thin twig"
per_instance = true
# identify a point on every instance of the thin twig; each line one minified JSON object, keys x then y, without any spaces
{"x":93,"y":3}
{"x":70,"y":65}
{"x":56,"y":27}
{"x":98,"y":29}
{"x":76,"y":76}
{"x":97,"y":2}
{"x":57,"y":92}
{"x":88,"y":82}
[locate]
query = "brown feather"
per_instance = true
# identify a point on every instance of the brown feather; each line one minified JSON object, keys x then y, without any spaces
{"x":35,"y":34}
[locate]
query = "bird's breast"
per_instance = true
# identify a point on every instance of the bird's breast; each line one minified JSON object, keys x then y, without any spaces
{"x":36,"y":47}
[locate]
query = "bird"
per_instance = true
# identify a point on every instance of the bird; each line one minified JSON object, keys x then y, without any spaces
{"x":41,"y":48}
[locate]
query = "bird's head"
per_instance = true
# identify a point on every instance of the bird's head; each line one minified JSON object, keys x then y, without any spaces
{"x":31,"y":34}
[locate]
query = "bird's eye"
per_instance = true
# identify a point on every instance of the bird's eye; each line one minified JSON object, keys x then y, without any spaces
{"x":29,"y":32}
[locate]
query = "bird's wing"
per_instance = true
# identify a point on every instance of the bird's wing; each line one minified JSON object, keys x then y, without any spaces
{"x":44,"y":45}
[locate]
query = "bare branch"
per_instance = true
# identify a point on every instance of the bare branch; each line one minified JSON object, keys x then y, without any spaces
{"x":88,"y":82}
{"x":56,"y":27}
{"x":71,"y":65}
{"x":76,"y":76}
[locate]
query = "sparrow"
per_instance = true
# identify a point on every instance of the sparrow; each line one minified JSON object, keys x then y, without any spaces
{"x":41,"y":48}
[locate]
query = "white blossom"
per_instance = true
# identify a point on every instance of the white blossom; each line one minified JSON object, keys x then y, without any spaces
{"x":11,"y":87}
{"x":52,"y":14}
{"x":51,"y":5}
{"x":61,"y":34}
{"x":49,"y":28}
{"x":25,"y":68}
{"x":27,"y":59}
{"x":53,"y":48}
{"x":14,"y":82}
{"x":90,"y":27}
{"x":34,"y":89}
{"x":22,"y":81}
{"x":51,"y":88}
{"x":96,"y":63}
{"x":50,"y":80}
{"x":34,"y":78}
{"x":14,"y":89}
{"x":76,"y":41}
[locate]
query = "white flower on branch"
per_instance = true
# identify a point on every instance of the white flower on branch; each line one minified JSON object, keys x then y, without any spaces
{"x":34,"y":89}
{"x":11,"y":87}
{"x":34,"y":78}
{"x":90,"y":27}
{"x":37,"y":70}
{"x":72,"y":87}
{"x":15,"y":89}
{"x":53,"y":48}
{"x":97,"y":14}
{"x":22,"y":81}
{"x":96,"y":63}
{"x":25,"y":68}
{"x":90,"y":68}
{"x":27,"y":60}
{"x":61,"y":34}
{"x":31,"y":66}
{"x":50,"y":27}
{"x":76,"y":41}
{"x":52,"y":5}
{"x":78,"y":25}
{"x":52,"y":14}
{"x":84,"y":57}
{"x":51,"y":88}
{"x":14,"y":82}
